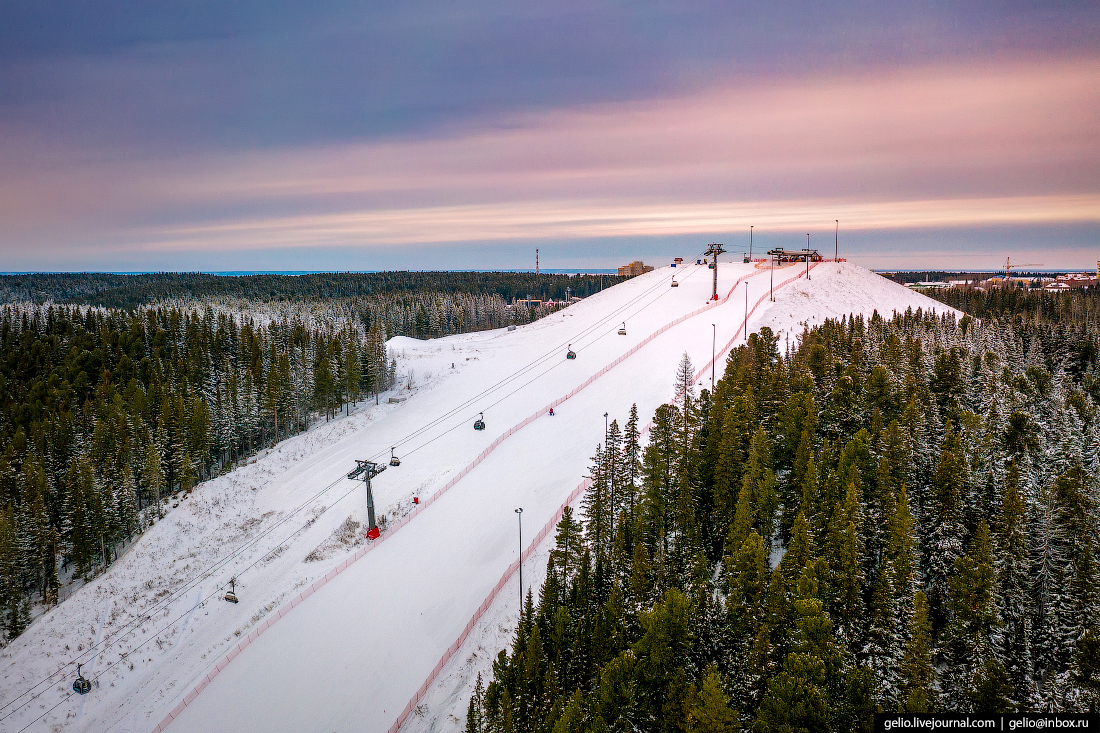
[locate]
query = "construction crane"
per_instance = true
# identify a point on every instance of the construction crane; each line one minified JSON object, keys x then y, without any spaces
{"x":1009,"y":265}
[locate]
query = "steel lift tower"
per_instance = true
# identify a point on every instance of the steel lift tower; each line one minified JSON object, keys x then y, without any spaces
{"x":366,"y":470}
{"x":713,"y":250}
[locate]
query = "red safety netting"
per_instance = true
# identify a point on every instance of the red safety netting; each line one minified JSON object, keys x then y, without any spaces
{"x":546,"y":530}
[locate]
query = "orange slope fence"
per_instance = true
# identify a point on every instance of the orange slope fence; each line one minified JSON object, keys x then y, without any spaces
{"x":549,"y":527}
{"x":342,"y":566}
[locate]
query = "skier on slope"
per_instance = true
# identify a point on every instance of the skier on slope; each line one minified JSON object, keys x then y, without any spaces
{"x":551,"y":412}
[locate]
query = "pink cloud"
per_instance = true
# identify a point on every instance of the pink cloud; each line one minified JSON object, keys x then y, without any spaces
{"x":939,"y":146}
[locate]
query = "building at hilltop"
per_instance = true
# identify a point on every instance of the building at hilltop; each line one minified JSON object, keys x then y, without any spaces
{"x":637,"y":267}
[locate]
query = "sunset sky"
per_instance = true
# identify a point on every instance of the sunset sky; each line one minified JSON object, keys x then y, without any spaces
{"x":198,"y":135}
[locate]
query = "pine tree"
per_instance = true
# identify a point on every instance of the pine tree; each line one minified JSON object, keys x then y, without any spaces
{"x":747,"y":581}
{"x":1012,"y":580}
{"x":945,"y":535}
{"x":844,"y":546}
{"x":798,"y":698}
{"x":968,"y":636}
{"x":152,"y":476}
{"x":882,"y":646}
{"x":708,"y":707}
{"x":126,"y":502}
{"x":918,"y":693}
{"x":474,"y":715}
{"x":631,"y":463}
{"x":758,"y":488}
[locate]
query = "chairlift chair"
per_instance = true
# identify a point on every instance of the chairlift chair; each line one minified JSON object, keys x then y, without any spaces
{"x":479,"y":424}
{"x":570,"y":354}
{"x":394,"y":460}
{"x":674,"y":283}
{"x":231,"y":596}
{"x":81,"y":685}
{"x":622,"y":329}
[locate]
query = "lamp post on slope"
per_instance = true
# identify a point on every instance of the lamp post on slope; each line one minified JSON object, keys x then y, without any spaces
{"x":519,"y":516}
{"x":713,"y":337}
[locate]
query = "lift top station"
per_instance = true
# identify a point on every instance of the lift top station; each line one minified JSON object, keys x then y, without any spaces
{"x":365,"y":471}
{"x":795,"y":255}
{"x":713,"y":250}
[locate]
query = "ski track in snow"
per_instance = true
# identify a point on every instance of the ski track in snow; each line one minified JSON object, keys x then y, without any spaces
{"x":351,"y":656}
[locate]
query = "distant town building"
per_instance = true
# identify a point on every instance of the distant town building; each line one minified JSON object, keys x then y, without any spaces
{"x":636,"y":267}
{"x":1077,"y":279}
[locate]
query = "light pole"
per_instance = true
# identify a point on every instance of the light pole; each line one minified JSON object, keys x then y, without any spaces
{"x":713,"y":337}
{"x":836,"y":242}
{"x":750,"y":243}
{"x":771,"y":284}
{"x":519,"y":515}
{"x":605,"y":428}
{"x":745,"y":327}
{"x":807,"y":255}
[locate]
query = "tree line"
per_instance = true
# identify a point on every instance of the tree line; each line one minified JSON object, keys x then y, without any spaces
{"x":897,"y":515}
{"x":105,"y":412}
{"x":109,"y":290}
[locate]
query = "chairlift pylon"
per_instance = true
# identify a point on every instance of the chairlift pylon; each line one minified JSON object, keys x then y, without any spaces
{"x":81,"y":685}
{"x":231,"y":596}
{"x":570,"y":354}
{"x":622,"y":329}
{"x":394,"y":460}
{"x":479,"y":424}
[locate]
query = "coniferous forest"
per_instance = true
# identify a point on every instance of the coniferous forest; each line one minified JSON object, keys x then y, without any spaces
{"x":107,"y":411}
{"x":898,"y":515}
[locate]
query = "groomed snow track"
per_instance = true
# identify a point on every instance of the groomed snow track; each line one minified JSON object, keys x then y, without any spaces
{"x":539,"y":538}
{"x":386,"y":621}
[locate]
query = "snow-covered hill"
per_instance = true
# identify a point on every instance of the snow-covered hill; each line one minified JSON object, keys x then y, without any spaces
{"x":356,"y":648}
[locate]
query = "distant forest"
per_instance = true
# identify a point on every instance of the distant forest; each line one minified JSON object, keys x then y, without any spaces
{"x":915,"y":276}
{"x":1068,"y":309}
{"x":129,"y":291}
{"x":119,"y":390}
{"x":900,"y":514}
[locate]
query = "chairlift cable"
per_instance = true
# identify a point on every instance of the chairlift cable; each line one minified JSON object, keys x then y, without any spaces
{"x":170,"y":624}
{"x":613,"y":315}
{"x":534,"y":378}
{"x":111,"y":639}
{"x":123,"y":631}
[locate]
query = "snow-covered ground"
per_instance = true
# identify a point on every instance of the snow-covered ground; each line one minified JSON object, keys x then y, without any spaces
{"x":351,"y":655}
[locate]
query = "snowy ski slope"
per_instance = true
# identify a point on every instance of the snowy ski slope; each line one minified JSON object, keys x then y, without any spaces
{"x":371,"y":623}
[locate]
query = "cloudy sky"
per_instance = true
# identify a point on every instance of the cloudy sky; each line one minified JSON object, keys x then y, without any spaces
{"x":302,"y":135}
